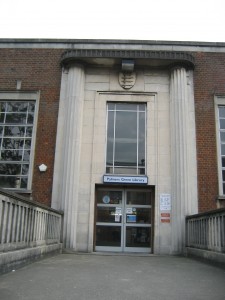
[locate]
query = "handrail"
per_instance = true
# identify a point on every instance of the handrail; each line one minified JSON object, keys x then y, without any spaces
{"x":25,"y":223}
{"x":206,"y":230}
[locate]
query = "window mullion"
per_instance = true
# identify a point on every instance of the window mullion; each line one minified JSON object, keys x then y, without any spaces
{"x":114,"y":138}
{"x":137,"y":136}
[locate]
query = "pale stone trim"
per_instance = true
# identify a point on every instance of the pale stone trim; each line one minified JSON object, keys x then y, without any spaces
{"x":183,"y":154}
{"x":68,"y":167}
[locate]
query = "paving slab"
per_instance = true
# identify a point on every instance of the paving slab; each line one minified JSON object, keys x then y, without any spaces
{"x":114,"y":277}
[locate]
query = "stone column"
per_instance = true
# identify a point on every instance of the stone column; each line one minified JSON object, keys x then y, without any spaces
{"x":68,"y":148}
{"x":183,"y":153}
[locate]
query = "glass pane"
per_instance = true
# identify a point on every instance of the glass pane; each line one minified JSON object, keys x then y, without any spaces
{"x":17,"y":106}
{"x":222,"y":123}
{"x":223,"y":161}
{"x":14,"y":131}
{"x":2,"y":107}
{"x":141,"y":171}
{"x":138,"y":236}
{"x":109,"y":170}
{"x":222,"y":137}
{"x":11,"y":155}
{"x":10,"y":169}
{"x":30,"y":119}
{"x":141,"y":140}
{"x":1,"y":130}
{"x":222,"y":111}
{"x":2,"y":117}
{"x":125,"y":154}
{"x":27,"y":144}
{"x":108,"y":215}
{"x":126,"y":107}
{"x":110,"y":138}
{"x":223,"y":174}
{"x":111,"y":106}
{"x":29,"y":131}
{"x":139,"y":215}
{"x":24,"y":181}
{"x":31,"y":106}
{"x":142,"y":107}
{"x":26,"y":156}
{"x":138,"y":198}
{"x":25,"y":169}
{"x":224,"y":188}
{"x":8,"y":182}
{"x":222,"y":149}
{"x":108,"y":236}
{"x":126,"y":139}
{"x":109,"y":197}
{"x":126,"y":126}
{"x":126,"y":171}
{"x":12,"y":143}
{"x":16,"y":118}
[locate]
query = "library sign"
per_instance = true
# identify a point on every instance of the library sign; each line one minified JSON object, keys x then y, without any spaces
{"x":125,"y":179}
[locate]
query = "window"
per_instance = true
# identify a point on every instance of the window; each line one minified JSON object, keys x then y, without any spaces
{"x":126,"y":140}
{"x":17,"y":120}
{"x":222,"y":144}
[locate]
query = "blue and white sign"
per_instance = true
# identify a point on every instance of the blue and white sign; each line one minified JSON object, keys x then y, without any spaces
{"x":125,"y":179}
{"x":106,"y":199}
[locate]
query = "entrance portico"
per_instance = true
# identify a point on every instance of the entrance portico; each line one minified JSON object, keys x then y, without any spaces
{"x":161,"y":90}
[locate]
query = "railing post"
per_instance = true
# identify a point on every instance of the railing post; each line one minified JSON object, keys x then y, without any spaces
{"x":25,"y":224}
{"x":206,"y":231}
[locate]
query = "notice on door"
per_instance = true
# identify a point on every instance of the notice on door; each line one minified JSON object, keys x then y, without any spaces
{"x":118,"y":213}
{"x":165,"y":202}
{"x":129,"y":210}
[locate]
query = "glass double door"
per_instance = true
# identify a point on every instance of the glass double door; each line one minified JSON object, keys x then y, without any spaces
{"x":123,"y":220}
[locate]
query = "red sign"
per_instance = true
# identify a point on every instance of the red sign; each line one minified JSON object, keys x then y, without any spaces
{"x":165,"y":220}
{"x":165,"y":215}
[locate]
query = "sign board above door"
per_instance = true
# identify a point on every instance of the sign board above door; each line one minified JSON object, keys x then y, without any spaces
{"x":125,"y":179}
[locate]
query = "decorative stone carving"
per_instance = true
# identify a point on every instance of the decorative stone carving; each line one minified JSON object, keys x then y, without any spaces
{"x":127,"y":80}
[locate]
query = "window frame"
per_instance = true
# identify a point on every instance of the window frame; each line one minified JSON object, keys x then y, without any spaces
{"x":219,"y":100}
{"x":17,"y":97}
{"x":137,"y":167}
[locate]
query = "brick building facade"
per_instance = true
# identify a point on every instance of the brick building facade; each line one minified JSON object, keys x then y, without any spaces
{"x":80,"y":85}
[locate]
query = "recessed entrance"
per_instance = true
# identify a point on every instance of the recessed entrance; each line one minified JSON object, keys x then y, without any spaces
{"x":124,"y":220}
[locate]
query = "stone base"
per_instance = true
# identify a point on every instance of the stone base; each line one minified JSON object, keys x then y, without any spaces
{"x":209,"y":256}
{"x":16,"y":259}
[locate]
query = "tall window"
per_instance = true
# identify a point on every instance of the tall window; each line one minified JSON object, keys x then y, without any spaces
{"x":16,"y":132}
{"x":222,"y":143}
{"x":126,"y":140}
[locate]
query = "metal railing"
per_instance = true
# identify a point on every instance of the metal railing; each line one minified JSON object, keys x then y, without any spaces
{"x":25,"y":223}
{"x":206,"y":231}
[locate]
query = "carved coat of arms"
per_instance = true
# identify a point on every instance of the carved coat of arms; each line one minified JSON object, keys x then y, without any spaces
{"x":127,"y":80}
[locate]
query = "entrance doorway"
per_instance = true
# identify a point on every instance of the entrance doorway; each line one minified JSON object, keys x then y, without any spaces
{"x":124,"y":220}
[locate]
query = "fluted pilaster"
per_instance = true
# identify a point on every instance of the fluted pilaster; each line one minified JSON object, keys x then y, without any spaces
{"x":68,"y":148}
{"x":183,"y":153}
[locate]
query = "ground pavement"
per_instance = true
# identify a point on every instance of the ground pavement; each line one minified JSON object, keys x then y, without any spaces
{"x":114,"y":277}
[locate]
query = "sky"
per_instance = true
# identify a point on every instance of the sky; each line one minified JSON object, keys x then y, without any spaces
{"x":162,"y":20}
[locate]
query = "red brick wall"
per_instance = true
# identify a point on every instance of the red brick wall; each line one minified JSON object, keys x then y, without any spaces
{"x":39,"y":69}
{"x":209,"y":79}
